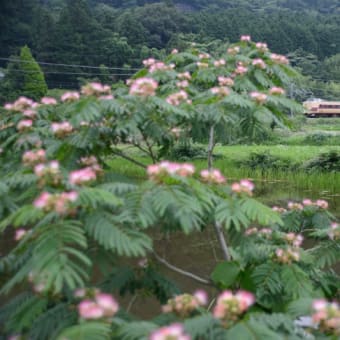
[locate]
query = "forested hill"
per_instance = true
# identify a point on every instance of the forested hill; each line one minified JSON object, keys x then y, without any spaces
{"x":121,"y":33}
{"x":324,"y":6}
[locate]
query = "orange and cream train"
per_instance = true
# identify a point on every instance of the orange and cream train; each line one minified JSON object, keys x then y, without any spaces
{"x":321,"y":108}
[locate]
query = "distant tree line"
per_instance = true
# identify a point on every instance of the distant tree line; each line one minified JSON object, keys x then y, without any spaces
{"x":116,"y":35}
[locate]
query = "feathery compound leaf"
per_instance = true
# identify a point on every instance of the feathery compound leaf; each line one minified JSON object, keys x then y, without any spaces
{"x":268,"y":283}
{"x":230,"y":214}
{"x":178,"y":207}
{"x":297,"y":282}
{"x":94,"y":198}
{"x":26,"y":215}
{"x":326,"y":254}
{"x":49,"y":324}
{"x":204,"y":327}
{"x":26,"y":313}
{"x":87,"y":331}
{"x":21,"y":181}
{"x":135,"y":330}
{"x":259,"y":212}
{"x":251,"y":330}
{"x":300,"y":307}
{"x":120,"y":278}
{"x":115,"y":236}
{"x":56,"y":257}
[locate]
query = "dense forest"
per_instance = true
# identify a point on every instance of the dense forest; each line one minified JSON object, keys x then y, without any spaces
{"x":114,"y":36}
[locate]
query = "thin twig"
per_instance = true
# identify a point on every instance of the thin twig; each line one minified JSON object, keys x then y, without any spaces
{"x":222,"y":241}
{"x":181,"y":271}
{"x":119,"y":153}
{"x":132,"y":301}
{"x":211,"y":304}
{"x":149,"y":146}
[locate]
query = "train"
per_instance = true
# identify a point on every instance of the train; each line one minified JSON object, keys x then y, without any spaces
{"x":318,"y":108}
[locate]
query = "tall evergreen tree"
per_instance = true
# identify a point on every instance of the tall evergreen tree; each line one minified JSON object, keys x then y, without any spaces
{"x":34,"y":85}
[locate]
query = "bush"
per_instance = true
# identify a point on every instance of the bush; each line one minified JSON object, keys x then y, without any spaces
{"x":328,"y":161}
{"x":265,"y":161}
{"x":316,"y":139}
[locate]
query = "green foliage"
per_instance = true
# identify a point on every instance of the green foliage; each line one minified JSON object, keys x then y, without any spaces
{"x":329,"y":161}
{"x":265,"y":161}
{"x":79,"y":224}
{"x":34,"y":85}
{"x":225,"y":274}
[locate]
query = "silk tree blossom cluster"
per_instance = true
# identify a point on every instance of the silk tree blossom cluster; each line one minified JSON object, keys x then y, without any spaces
{"x":258,"y":62}
{"x":225,"y":81}
{"x":32,"y":157}
{"x":294,"y":206}
{"x":184,"y":76}
{"x":233,"y":50}
{"x":294,"y":239}
{"x":171,"y":332}
{"x":60,"y":203}
{"x":24,"y":125}
{"x":182,"y":84}
{"x":178,"y":98}
{"x":279,"y":209}
{"x":263,"y":47}
{"x":95,"y":89}
{"x":259,"y":97}
{"x":212,"y":176}
{"x":318,"y":203}
{"x":202,"y":64}
{"x":157,"y":171}
{"x":48,"y":101}
{"x":246,"y":38}
{"x":241,"y":69}
{"x":230,"y":307}
{"x":244,"y":186}
{"x":219,"y":63}
{"x":70,"y":96}
{"x":100,"y":306}
{"x":82,"y":176}
{"x":334,"y":231}
{"x":19,"y":234}
{"x":143,"y":87}
{"x":326,"y":316}
{"x":279,"y":59}
{"x":287,"y":256}
{"x":155,"y":65}
{"x":48,"y":173}
{"x":264,"y":232}
{"x":176,"y":131}
{"x":61,"y":129}
{"x":21,"y":104}
{"x":92,"y":162}
{"x":204,"y":55}
{"x":292,"y":252}
{"x":277,"y":91}
{"x":221,"y":91}
{"x":29,"y":113}
{"x":183,"y":305}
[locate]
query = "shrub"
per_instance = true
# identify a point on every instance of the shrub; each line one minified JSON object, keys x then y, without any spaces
{"x":328,"y":161}
{"x":265,"y":161}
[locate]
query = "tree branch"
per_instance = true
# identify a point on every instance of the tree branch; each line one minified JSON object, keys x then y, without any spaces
{"x":121,"y":154}
{"x":222,"y":241}
{"x":211,"y":146}
{"x":181,"y":271}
